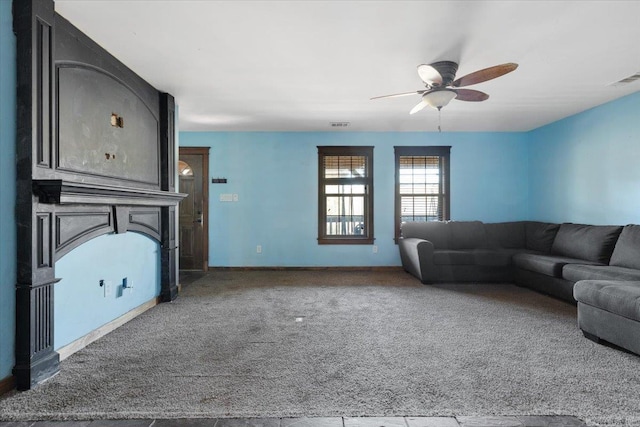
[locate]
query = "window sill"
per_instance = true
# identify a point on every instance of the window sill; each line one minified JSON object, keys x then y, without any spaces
{"x":347,"y":241}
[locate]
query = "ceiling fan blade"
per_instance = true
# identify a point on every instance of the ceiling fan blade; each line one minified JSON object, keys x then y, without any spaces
{"x":418,"y":107}
{"x":484,"y":75}
{"x":429,"y":75}
{"x":395,"y":95}
{"x":471,"y":95}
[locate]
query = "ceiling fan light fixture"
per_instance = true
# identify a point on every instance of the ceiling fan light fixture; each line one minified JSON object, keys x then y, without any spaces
{"x":439,"y":98}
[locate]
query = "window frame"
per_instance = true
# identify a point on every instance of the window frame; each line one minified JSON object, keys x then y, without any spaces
{"x":442,"y":151}
{"x":336,"y":150}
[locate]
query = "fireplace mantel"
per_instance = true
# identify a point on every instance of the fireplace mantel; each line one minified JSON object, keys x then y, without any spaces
{"x":57,"y":191}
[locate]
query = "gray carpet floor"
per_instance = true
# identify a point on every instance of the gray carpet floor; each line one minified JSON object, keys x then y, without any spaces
{"x":316,"y":343}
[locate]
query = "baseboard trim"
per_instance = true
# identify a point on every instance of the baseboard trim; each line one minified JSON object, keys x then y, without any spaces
{"x":364,"y":268}
{"x":7,"y":384}
{"x":103,"y":330}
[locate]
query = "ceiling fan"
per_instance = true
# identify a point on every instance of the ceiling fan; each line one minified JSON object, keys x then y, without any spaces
{"x":442,"y":88}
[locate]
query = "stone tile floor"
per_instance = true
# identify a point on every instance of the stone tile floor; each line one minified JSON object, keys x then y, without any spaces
{"x":515,"y":421}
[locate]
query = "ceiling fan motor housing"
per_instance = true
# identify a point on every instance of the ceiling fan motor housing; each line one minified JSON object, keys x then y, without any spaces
{"x":447,"y":70}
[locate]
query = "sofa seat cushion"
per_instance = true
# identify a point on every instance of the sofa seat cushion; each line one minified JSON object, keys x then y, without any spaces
{"x":491,"y":257}
{"x":453,"y":257}
{"x":549,"y":265}
{"x":512,"y":252}
{"x":486,"y":257}
{"x":621,"y":298}
{"x":575,"y":272}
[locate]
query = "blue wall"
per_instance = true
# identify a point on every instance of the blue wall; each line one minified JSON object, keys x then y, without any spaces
{"x":7,"y":188}
{"x":586,"y":168}
{"x":80,"y":305}
{"x":275,"y":177}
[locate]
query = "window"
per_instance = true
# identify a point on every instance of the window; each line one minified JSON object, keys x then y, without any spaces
{"x":345,"y":195}
{"x":422,"y":184}
{"x":184,"y":169}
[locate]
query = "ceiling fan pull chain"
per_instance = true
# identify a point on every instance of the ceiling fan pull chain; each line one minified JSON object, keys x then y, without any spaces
{"x":439,"y":119}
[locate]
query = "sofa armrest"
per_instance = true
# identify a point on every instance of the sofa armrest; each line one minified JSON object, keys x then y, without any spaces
{"x":417,"y":257}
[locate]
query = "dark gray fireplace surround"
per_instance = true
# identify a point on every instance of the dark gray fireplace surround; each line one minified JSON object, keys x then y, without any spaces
{"x":95,"y":155}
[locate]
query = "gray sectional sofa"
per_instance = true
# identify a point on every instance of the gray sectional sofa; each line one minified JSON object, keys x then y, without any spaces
{"x":597,"y":266}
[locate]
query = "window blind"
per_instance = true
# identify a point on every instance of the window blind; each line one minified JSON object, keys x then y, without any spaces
{"x":422,"y":184}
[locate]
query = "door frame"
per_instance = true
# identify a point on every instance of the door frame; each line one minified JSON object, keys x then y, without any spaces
{"x":204,"y":152}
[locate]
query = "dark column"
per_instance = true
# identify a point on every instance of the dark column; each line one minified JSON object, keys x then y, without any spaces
{"x":169,"y":276}
{"x":35,"y":358}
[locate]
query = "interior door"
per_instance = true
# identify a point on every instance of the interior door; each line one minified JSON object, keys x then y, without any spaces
{"x":193,"y":222}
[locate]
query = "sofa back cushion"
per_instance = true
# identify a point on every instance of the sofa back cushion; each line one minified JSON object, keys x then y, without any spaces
{"x":437,"y":232}
{"x":468,"y":235}
{"x":589,"y":242}
{"x":506,"y":234}
{"x":627,"y":250}
{"x":539,"y":235}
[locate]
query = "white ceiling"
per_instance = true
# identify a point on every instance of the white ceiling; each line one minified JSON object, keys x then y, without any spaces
{"x":299,"y":65}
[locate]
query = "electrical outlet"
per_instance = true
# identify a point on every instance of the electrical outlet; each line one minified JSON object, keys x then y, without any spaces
{"x":259,"y":249}
{"x":235,"y":197}
{"x":375,"y":249}
{"x":127,"y":285}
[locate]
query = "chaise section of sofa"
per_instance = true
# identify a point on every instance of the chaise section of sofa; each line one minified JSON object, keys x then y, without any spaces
{"x":609,"y":310}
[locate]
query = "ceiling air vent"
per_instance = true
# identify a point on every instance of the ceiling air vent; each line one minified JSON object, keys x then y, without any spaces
{"x":339,"y":124}
{"x":627,"y":80}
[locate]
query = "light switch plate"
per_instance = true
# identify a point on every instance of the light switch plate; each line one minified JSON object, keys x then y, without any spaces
{"x":108,"y":289}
